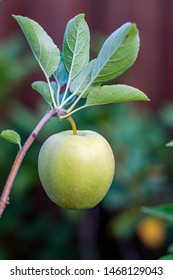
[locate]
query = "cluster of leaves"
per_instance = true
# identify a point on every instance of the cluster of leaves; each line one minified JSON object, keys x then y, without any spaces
{"x":72,"y":69}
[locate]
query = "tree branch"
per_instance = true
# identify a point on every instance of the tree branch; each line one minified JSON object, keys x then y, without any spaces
{"x":4,"y":199}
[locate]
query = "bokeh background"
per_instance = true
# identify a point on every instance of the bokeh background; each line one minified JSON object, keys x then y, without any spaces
{"x":32,"y":227}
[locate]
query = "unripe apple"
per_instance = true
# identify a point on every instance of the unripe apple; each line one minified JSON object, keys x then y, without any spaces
{"x":76,"y":171}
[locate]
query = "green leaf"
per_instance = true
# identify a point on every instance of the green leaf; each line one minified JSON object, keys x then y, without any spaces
{"x":45,"y":51}
{"x":82,"y":80}
{"x":164,"y":211}
{"x":114,"y":93}
{"x":170,"y":248}
{"x":76,"y":45}
{"x":43,"y":88}
{"x":117,"y":54}
{"x":167,"y":257}
{"x":11,"y":136}
{"x":170,"y":144}
{"x":61,"y":74}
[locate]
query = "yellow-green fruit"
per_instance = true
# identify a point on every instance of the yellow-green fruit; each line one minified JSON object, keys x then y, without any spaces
{"x":76,"y":171}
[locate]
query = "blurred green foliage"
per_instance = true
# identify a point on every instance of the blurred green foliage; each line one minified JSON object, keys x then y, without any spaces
{"x":32,"y":227}
{"x":164,"y":211}
{"x":15,"y":65}
{"x":167,"y":257}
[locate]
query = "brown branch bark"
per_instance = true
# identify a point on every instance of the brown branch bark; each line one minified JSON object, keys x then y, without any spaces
{"x":4,"y":199}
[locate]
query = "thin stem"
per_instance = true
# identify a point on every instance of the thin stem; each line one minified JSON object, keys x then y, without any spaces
{"x":66,"y":90}
{"x":66,"y":100}
{"x":77,"y":99}
{"x":71,"y":121}
{"x":75,"y":103}
{"x":50,"y":88}
{"x":57,"y":94}
{"x":51,"y":93}
{"x":58,"y":90}
{"x":19,"y":158}
{"x":20,"y":147}
{"x":74,"y":111}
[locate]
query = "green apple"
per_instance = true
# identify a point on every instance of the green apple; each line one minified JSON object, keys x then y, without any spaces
{"x":76,"y":171}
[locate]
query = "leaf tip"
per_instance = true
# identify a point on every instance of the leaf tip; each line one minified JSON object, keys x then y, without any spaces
{"x":33,"y":85}
{"x":130,"y":25}
{"x":144,"y":98}
{"x":82,"y":15}
{"x":11,"y":136}
{"x":134,"y":25}
{"x":147,"y":99}
{"x":169,"y":144}
{"x":15,"y":16}
{"x":78,"y":17}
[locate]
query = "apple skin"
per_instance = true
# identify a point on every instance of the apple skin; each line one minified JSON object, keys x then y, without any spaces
{"x":76,"y":171}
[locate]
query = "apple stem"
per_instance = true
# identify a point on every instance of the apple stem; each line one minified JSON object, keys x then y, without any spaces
{"x":4,"y":199}
{"x":71,"y":121}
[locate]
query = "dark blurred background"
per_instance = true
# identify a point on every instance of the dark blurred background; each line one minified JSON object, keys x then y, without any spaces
{"x":32,"y":227}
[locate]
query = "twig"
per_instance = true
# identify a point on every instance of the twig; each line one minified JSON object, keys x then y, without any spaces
{"x":4,"y":199}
